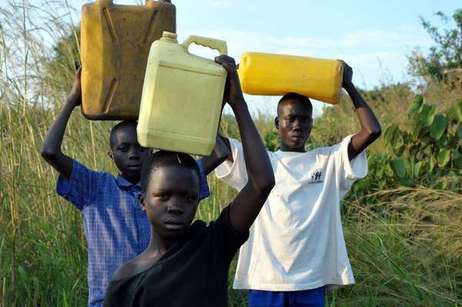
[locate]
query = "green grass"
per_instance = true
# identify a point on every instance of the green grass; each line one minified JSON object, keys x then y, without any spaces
{"x":405,"y":251}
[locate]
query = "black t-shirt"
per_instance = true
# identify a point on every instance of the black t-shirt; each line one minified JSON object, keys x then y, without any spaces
{"x":192,"y":273}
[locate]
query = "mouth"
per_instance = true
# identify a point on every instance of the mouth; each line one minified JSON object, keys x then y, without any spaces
{"x":174,"y":225}
{"x":297,"y":136}
{"x":134,"y":166}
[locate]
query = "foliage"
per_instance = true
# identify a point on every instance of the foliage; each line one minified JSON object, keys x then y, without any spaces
{"x":431,"y":150}
{"x":446,"y":55}
{"x":428,"y":154}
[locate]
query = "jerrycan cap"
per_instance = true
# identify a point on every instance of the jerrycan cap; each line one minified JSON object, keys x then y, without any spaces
{"x":169,"y":37}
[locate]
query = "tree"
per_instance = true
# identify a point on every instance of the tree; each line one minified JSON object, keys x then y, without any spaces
{"x":443,"y":58}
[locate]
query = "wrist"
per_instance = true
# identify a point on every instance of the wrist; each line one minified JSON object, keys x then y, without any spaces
{"x":349,"y":86}
{"x":238,"y":104}
{"x":72,"y":100}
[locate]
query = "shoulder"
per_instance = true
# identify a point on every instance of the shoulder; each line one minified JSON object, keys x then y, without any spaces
{"x":324,"y":151}
{"x":79,"y":168}
{"x":224,"y":225}
{"x":132,"y":268}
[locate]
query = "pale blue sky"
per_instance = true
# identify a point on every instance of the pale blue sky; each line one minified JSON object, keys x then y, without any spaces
{"x":373,"y":36}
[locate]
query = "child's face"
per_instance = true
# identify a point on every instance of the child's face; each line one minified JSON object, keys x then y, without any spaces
{"x":294,"y":123}
{"x":127,"y":153}
{"x":171,"y":199}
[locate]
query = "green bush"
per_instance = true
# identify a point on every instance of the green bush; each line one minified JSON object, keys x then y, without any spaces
{"x":429,"y":152}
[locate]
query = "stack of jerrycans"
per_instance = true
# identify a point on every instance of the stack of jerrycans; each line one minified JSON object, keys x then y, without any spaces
{"x":182,"y":96}
{"x":115,"y":42}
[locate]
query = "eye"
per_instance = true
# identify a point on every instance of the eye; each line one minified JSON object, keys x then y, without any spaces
{"x":122,"y":148}
{"x":141,"y":148}
{"x":191,"y":197}
{"x":162,"y":196}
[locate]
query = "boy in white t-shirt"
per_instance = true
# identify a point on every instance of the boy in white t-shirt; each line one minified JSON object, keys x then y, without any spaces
{"x":296,"y":246}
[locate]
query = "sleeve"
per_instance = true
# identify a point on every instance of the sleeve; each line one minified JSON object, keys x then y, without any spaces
{"x":227,"y":238}
{"x":234,"y":173}
{"x":347,"y":172}
{"x":204,"y":191}
{"x":80,"y":188}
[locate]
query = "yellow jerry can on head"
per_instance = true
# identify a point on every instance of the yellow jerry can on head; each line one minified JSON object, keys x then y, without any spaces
{"x":276,"y":74}
{"x":115,"y":42}
{"x":182,"y":96}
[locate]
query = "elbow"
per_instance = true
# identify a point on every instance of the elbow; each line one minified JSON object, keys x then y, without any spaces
{"x":376,"y":133}
{"x":221,"y":157}
{"x":47,"y":154}
{"x":265,"y":185}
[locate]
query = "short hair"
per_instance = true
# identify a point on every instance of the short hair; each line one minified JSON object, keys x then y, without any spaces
{"x":297,"y":97}
{"x":123,"y":124}
{"x":164,"y":158}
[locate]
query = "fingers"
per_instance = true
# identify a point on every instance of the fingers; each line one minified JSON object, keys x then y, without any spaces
{"x":78,"y":74}
{"x":227,"y":62}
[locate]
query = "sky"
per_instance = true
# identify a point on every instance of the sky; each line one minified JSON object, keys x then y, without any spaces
{"x":374,"y":36}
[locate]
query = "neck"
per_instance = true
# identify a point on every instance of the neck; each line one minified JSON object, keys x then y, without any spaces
{"x":131,"y":179}
{"x":284,"y":147}
{"x":158,"y":244}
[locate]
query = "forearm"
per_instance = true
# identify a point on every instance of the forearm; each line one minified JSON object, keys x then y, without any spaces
{"x":219,"y":154}
{"x":370,"y":126}
{"x":54,"y":137}
{"x":259,"y":169}
{"x":51,"y":149}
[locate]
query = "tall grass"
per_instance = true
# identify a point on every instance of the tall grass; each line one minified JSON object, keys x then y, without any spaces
{"x":405,"y":250}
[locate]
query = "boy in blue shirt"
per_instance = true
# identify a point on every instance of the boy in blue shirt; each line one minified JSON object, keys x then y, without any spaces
{"x":115,"y":224}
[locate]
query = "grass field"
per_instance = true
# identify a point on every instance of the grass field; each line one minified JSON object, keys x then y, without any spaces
{"x":405,"y":252}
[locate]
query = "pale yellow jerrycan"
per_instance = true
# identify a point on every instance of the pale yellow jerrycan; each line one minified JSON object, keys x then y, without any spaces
{"x":182,"y":96}
{"x":276,"y":74}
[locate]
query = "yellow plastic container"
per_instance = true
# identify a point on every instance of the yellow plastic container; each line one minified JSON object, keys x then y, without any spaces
{"x":115,"y":42}
{"x":275,"y":74}
{"x":182,"y":96}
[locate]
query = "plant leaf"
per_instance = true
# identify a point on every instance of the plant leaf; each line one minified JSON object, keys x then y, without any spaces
{"x":426,"y":115}
{"x":399,"y":167}
{"x":459,"y":131}
{"x":444,"y":155}
{"x":439,"y":125}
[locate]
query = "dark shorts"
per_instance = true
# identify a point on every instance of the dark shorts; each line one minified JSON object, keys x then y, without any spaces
{"x":304,"y":298}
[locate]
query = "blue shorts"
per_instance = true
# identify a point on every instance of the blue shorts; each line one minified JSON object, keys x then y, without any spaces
{"x":304,"y":298}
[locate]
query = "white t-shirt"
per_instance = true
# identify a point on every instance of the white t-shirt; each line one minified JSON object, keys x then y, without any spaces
{"x":296,"y":242}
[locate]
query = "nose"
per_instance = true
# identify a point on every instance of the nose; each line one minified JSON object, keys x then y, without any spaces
{"x":297,"y":124}
{"x":174,"y":209}
{"x":133,"y":153}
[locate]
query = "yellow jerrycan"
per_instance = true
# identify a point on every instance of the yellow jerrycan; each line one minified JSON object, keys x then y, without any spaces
{"x":115,"y":42}
{"x":182,"y":96}
{"x":276,"y":74}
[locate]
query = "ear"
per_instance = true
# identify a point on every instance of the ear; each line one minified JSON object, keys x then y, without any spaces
{"x":141,"y":200}
{"x":276,"y":122}
{"x":109,"y":153}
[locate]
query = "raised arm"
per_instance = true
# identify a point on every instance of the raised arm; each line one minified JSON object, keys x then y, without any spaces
{"x":370,"y":126}
{"x":247,"y":204}
{"x":218,"y":156}
{"x":51,"y":149}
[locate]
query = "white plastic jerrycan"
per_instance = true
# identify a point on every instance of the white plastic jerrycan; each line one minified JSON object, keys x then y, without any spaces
{"x":182,"y":96}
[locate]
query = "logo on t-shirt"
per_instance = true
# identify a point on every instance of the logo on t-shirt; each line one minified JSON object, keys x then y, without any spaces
{"x":316,"y":177}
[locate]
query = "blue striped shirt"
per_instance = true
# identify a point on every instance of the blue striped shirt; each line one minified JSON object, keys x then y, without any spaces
{"x":116,"y":227}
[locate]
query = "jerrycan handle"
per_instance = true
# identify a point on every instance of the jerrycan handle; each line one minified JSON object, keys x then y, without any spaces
{"x":147,"y":2}
{"x":217,"y":44}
